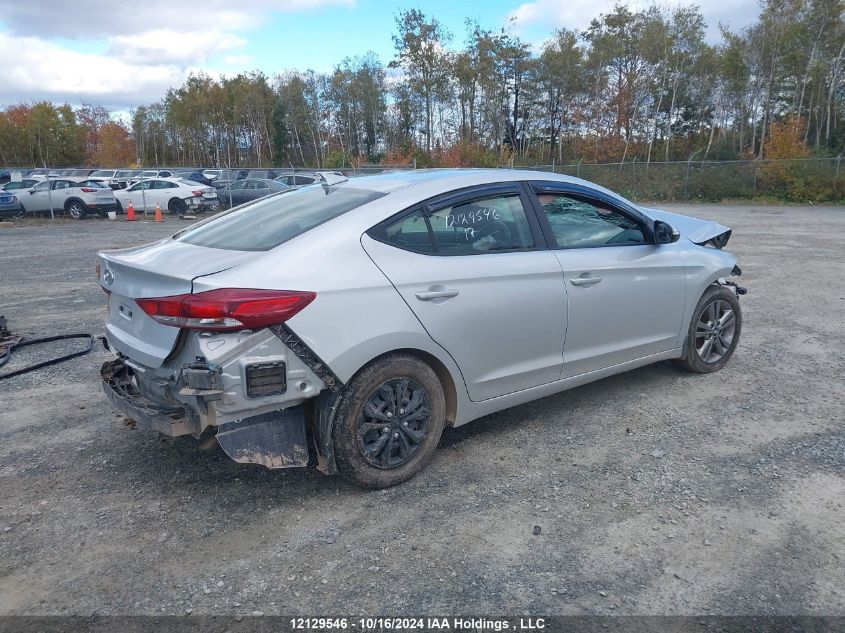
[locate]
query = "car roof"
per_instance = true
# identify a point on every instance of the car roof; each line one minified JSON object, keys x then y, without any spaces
{"x":389,"y":181}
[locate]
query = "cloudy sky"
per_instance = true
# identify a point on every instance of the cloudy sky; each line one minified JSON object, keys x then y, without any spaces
{"x":125,"y":54}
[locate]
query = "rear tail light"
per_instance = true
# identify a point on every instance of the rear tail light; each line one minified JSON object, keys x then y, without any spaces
{"x":227,"y":309}
{"x":89,"y":190}
{"x":197,"y":193}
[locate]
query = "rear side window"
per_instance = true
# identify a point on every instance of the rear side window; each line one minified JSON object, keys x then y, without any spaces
{"x":274,"y":220}
{"x":409,"y":233}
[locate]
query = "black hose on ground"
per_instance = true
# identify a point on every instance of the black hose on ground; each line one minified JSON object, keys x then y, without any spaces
{"x":8,"y":344}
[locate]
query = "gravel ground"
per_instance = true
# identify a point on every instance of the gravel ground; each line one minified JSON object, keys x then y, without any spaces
{"x":656,"y":492}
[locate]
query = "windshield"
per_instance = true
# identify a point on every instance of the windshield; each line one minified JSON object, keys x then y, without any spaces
{"x":276,"y":219}
{"x":103,"y":173}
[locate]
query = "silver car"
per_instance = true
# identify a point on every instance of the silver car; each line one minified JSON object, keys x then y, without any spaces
{"x":368,"y":315}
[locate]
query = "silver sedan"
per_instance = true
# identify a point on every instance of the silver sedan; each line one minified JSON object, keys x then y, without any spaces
{"x":366,"y":315}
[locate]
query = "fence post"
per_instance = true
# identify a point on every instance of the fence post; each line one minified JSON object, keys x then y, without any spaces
{"x":50,"y":193}
{"x":686,"y":179}
{"x":838,"y":163}
{"x":754,"y":179}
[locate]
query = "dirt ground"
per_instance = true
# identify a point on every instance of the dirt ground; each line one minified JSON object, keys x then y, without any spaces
{"x":657,"y":492}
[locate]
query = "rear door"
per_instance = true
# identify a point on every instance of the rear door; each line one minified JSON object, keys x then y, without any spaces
{"x":626,"y":294}
{"x":475,"y":271}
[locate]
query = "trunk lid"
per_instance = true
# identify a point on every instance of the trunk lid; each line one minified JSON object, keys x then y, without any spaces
{"x":160,"y":269}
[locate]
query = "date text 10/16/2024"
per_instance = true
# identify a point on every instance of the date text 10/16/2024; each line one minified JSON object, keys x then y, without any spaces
{"x":418,"y":624}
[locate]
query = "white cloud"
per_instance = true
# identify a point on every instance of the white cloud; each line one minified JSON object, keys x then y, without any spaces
{"x":87,"y":19}
{"x":576,"y":14}
{"x":170,"y":46}
{"x":147,"y":47}
{"x":572,"y":14}
{"x":39,"y":69}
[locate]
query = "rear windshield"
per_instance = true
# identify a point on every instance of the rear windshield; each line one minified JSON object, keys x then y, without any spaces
{"x":274,"y":220}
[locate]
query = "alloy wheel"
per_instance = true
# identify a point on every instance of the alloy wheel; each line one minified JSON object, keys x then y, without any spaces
{"x":393,"y":424}
{"x":75,"y":210}
{"x":714,"y":331}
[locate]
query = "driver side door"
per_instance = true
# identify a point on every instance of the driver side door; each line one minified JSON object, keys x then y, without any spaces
{"x":626,"y":294}
{"x":38,"y":199}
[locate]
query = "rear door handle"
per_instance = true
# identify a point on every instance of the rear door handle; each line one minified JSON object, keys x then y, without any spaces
{"x":584,"y":281}
{"x":436,"y":294}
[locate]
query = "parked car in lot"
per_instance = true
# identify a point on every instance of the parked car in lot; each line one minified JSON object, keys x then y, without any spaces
{"x":10,"y":206}
{"x":68,"y":197}
{"x":14,"y":185}
{"x":106,"y":176}
{"x":193,"y":175}
{"x":240,"y":191}
{"x":173,"y":195}
{"x":156,"y":173}
{"x":76,"y":173}
{"x":298,"y":180}
{"x":370,"y":314}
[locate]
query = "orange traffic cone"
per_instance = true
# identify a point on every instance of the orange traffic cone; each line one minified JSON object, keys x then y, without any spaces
{"x":158,"y":213}
{"x":130,"y":213}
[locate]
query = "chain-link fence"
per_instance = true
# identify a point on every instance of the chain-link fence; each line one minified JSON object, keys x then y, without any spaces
{"x":798,"y":180}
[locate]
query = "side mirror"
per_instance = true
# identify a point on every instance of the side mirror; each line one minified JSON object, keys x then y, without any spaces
{"x":32,"y":191}
{"x":664,"y":233}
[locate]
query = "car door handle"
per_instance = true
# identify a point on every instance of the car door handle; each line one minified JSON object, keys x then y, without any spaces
{"x":584,"y":281}
{"x":436,"y":294}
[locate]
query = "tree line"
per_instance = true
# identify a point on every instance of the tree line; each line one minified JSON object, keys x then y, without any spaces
{"x":635,"y":85}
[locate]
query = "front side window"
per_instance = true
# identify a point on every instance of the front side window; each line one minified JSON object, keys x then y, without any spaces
{"x":494,"y":223}
{"x":582,"y":223}
{"x":42,"y":186}
{"x":273,"y":220}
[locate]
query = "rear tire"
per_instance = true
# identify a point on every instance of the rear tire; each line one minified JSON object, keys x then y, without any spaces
{"x":75,"y":210}
{"x":389,"y":421}
{"x":177,"y":206}
{"x":713,"y":331}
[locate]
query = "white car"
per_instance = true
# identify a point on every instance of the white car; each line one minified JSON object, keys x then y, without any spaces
{"x":173,"y":195}
{"x":355,"y":319}
{"x":74,"y":198}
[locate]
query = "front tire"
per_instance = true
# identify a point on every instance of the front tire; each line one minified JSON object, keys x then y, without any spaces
{"x":389,"y":421}
{"x":713,"y":331}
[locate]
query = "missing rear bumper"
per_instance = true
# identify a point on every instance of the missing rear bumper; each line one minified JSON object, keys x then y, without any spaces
{"x":122,"y":391}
